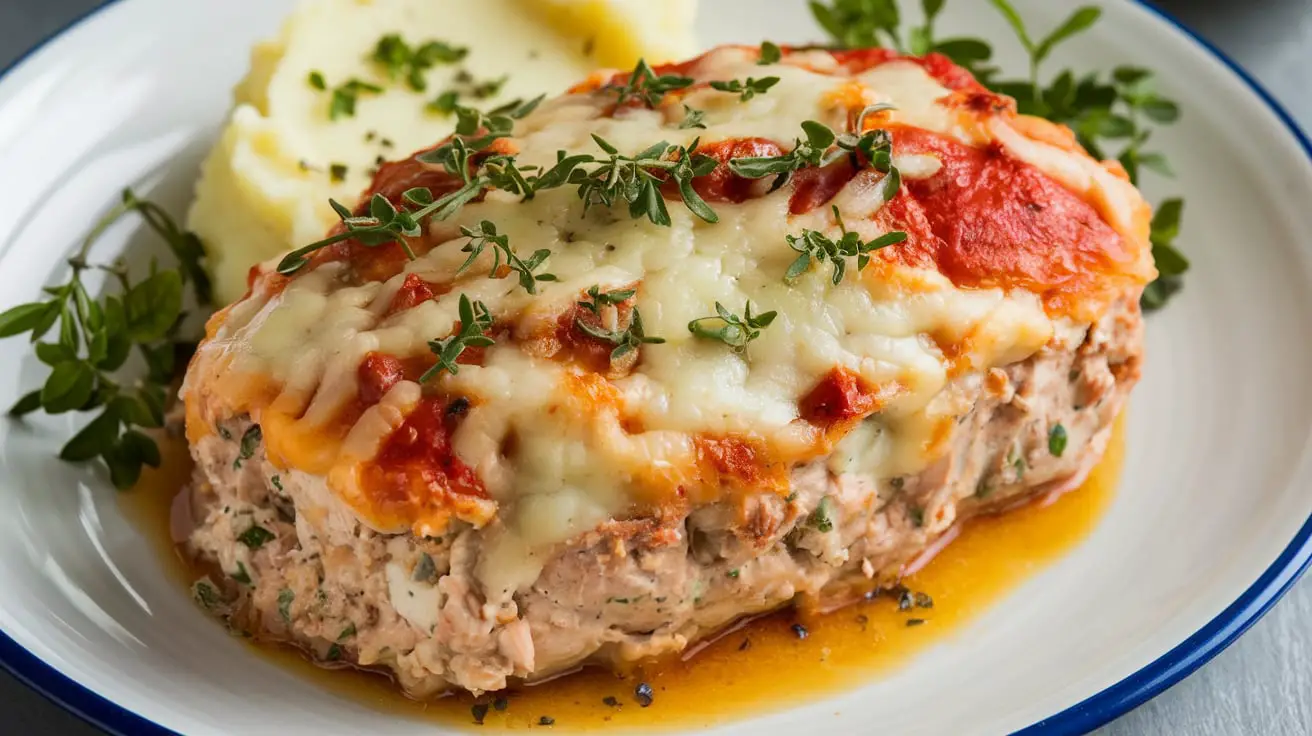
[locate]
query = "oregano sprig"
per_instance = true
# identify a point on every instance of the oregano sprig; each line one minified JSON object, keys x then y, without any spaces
{"x":95,"y":338}
{"x":731,"y":329}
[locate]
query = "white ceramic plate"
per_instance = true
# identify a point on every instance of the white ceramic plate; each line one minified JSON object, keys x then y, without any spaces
{"x":1210,"y":525}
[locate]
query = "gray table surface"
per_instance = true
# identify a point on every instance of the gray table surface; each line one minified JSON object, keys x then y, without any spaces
{"x":1261,"y":685}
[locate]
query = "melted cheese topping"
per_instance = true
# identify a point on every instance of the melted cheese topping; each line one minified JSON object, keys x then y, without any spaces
{"x":549,"y":447}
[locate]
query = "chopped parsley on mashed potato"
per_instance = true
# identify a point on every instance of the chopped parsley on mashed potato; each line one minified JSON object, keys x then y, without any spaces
{"x":265,"y":186}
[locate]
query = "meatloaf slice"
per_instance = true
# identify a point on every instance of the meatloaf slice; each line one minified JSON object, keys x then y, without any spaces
{"x":608,"y":473}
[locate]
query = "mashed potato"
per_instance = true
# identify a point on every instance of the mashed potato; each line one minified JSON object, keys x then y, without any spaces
{"x":265,"y":187}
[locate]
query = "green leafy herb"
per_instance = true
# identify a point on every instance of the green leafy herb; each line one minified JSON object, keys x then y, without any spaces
{"x":645,"y":85}
{"x":96,"y":337}
{"x":345,"y":96}
{"x":747,"y":89}
{"x":203,"y":591}
{"x":401,"y":60}
{"x":1171,"y":264}
{"x":256,"y":536}
{"x":241,"y":576}
{"x":316,"y":80}
{"x":347,"y":632}
{"x":250,"y":440}
{"x":334,"y":653}
{"x":599,"y":298}
{"x":386,"y":223}
{"x":445,"y":103}
{"x":873,"y":147}
{"x":732,"y":573}
{"x":1057,"y":440}
{"x":634,"y":179}
{"x":625,"y":341}
{"x":338,"y":172}
{"x":487,"y":233}
{"x":277,"y":483}
{"x":820,"y":518}
{"x":731,"y":329}
{"x":770,"y":53}
{"x":285,"y":598}
{"x":816,"y":247}
{"x":692,"y":118}
{"x":474,"y":321}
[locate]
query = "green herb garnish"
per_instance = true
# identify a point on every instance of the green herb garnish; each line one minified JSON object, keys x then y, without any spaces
{"x":770,"y":54}
{"x":338,"y":172}
{"x":445,"y":103}
{"x":874,"y":146}
{"x":634,"y":179}
{"x":385,"y":223}
{"x":626,"y":340}
{"x":241,"y":576}
{"x":1057,"y":440}
{"x":731,"y":329}
{"x":820,"y":518}
{"x":646,"y":86}
{"x":601,"y":298}
{"x":345,"y":96}
{"x":474,"y":322}
{"x":487,"y":234}
{"x":96,"y":337}
{"x":816,"y":247}
{"x":400,"y":60}
{"x":1171,"y":264}
{"x":692,"y":118}
{"x":316,"y":80}
{"x":285,"y":598}
{"x":250,"y":440}
{"x":347,"y":632}
{"x":205,"y":594}
{"x":256,"y":536}
{"x":745,"y":89}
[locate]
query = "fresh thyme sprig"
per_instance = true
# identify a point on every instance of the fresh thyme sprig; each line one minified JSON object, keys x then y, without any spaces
{"x":633,"y":179}
{"x":475,"y":321}
{"x":386,"y":223}
{"x":1105,"y":113}
{"x":692,"y":118}
{"x":645,"y":85}
{"x":96,"y":338}
{"x":486,"y":234}
{"x":626,"y":340}
{"x":770,"y":54}
{"x":816,"y":247}
{"x":731,"y":329}
{"x":745,"y":89}
{"x":598,"y":298}
{"x":875,"y":146}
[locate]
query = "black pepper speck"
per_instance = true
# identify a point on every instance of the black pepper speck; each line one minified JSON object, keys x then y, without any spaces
{"x":800,"y":631}
{"x":643,"y":694}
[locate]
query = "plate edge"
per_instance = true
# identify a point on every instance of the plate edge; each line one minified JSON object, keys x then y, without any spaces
{"x":1094,"y":711}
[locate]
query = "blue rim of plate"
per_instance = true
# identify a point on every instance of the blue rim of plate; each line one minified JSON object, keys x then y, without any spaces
{"x":1090,"y":713}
